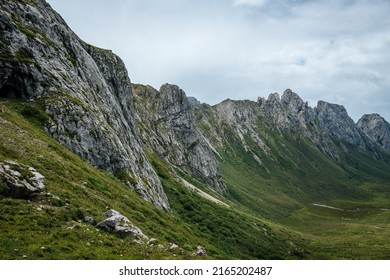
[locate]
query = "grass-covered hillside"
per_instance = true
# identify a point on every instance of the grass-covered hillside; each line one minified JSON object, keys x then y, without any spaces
{"x":341,"y":206}
{"x":50,"y":225}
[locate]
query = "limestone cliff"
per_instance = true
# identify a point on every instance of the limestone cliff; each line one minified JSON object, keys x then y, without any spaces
{"x":377,"y":129}
{"x":167,"y":126}
{"x":85,"y":91}
{"x":327,"y":126}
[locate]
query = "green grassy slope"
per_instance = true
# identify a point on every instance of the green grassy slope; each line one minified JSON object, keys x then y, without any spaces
{"x":295,"y":175}
{"x":26,"y":227}
{"x":49,"y":228}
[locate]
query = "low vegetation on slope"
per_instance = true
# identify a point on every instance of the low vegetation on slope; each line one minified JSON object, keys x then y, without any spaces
{"x":341,"y":207}
{"x":51,"y":225}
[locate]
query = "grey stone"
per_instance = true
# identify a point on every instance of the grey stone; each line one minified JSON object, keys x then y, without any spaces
{"x":89,"y":220}
{"x":115,"y":222}
{"x":152,"y":241}
{"x":20,"y":181}
{"x":292,"y":101}
{"x":200,"y":251}
{"x":173,"y":246}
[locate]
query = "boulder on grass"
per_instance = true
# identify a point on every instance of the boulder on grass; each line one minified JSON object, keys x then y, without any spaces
{"x":115,"y":222}
{"x":19,"y":180}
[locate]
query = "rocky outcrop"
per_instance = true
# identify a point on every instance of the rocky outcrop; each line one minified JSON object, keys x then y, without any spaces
{"x":167,"y":126}
{"x":200,"y":251}
{"x":335,"y":120}
{"x":327,"y":126}
{"x":19,"y":180}
{"x":241,"y":116}
{"x":85,"y":90}
{"x":377,"y":129}
{"x":193,"y":101}
{"x":115,"y":222}
{"x":298,"y":109}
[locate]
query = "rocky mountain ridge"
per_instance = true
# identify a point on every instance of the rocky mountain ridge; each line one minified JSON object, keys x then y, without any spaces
{"x":88,"y":98}
{"x":377,"y":129}
{"x":167,"y":126}
{"x":327,"y":125}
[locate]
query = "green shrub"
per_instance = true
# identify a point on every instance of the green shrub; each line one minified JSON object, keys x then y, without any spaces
{"x":34,"y":114}
{"x":2,"y":186}
{"x":125,"y":176}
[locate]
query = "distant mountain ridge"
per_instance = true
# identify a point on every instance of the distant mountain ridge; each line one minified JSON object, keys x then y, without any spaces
{"x":273,"y":159}
{"x":322,"y":125}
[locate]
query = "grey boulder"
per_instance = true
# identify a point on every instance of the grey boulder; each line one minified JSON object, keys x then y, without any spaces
{"x":19,"y":180}
{"x":115,"y":222}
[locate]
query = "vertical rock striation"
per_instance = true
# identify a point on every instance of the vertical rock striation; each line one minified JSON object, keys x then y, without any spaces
{"x":86,"y":92}
{"x":377,"y":129}
{"x":167,"y":126}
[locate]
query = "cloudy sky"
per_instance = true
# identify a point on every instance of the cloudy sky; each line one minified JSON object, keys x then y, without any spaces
{"x":332,"y":50}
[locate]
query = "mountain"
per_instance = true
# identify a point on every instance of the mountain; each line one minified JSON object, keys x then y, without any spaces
{"x":166,"y":124}
{"x":95,"y":167}
{"x":85,"y":91}
{"x":377,"y":130}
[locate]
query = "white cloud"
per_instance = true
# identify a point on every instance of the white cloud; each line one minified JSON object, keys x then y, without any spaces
{"x":331,"y":50}
{"x":257,"y":3}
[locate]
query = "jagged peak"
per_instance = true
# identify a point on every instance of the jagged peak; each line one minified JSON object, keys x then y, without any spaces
{"x":273,"y":97}
{"x":377,"y":129}
{"x":372,"y":120}
{"x":292,"y":100}
{"x":174,"y":89}
{"x":261,"y":100}
{"x":173,"y":94}
{"x":372,"y":117}
{"x":229,"y":101}
{"x":323,"y":105}
{"x":193,"y":101}
{"x":288,"y":96}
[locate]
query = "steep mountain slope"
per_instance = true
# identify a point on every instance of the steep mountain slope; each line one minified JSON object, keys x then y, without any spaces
{"x":85,"y":91}
{"x":312,"y":170}
{"x":60,"y":222}
{"x":167,"y":126}
{"x":377,"y":129}
{"x":289,"y":149}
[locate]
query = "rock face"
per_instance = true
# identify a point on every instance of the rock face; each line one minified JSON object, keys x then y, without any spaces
{"x":327,"y":126}
{"x":19,"y":180}
{"x":115,"y":222}
{"x":167,"y":126}
{"x":377,"y":130}
{"x":86,"y":92}
{"x":193,"y":101}
{"x":335,"y":120}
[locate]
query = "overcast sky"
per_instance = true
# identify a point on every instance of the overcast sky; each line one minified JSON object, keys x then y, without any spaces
{"x":332,"y":50}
